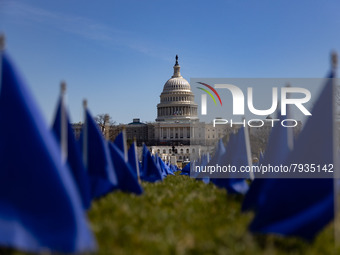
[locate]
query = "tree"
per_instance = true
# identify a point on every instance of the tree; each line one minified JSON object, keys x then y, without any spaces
{"x":105,"y":124}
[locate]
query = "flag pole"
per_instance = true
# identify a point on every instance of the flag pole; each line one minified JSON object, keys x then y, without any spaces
{"x":247,"y":141}
{"x":2,"y":42}
{"x":290,"y":131}
{"x":63,"y":123}
{"x":124,"y":144}
{"x":85,"y":135}
{"x":136,"y":159}
{"x":2,"y":49}
{"x":334,"y":65}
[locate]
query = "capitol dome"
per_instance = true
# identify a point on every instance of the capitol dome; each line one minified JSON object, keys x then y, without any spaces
{"x":176,"y":83}
{"x":176,"y":100}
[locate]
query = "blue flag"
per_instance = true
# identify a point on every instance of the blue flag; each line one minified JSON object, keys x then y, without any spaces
{"x":166,"y":169}
{"x":144,"y":154}
{"x":133,"y":160}
{"x":219,"y":154}
{"x":161,"y":166}
{"x":186,"y":169}
{"x":202,"y":163}
{"x":99,"y":165}
{"x":40,"y":207}
{"x":235,"y":155}
{"x":74,"y":158}
{"x":151,"y":172}
{"x":174,"y":168}
{"x":120,"y":142}
{"x":302,"y":207}
{"x":127,"y":181}
{"x":276,"y":152}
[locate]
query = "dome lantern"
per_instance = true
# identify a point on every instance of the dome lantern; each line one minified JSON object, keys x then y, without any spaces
{"x":177,"y":69}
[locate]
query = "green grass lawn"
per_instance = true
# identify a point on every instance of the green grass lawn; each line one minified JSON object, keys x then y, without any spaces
{"x":183,"y":216}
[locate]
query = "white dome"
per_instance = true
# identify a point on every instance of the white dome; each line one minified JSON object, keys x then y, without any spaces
{"x":177,"y":83}
{"x":176,"y":100}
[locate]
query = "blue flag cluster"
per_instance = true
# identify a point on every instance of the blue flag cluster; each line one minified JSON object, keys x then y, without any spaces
{"x":99,"y":165}
{"x":277,"y":151}
{"x":41,"y":208}
{"x":151,"y":172}
{"x":154,"y":168}
{"x":48,"y":179}
{"x":74,"y":158}
{"x":127,"y":180}
{"x":299,"y":207}
{"x":186,"y":169}
{"x":234,"y":154}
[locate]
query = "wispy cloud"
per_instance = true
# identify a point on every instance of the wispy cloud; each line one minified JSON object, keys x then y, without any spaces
{"x":83,"y":27}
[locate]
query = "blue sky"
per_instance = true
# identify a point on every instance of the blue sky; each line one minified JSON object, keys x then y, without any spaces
{"x":119,"y":54}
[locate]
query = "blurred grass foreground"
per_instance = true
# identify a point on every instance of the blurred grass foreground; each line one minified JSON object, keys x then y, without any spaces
{"x":183,"y":216}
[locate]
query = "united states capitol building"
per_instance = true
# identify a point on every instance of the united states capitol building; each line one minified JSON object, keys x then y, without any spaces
{"x":177,"y":131}
{"x":177,"y":126}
